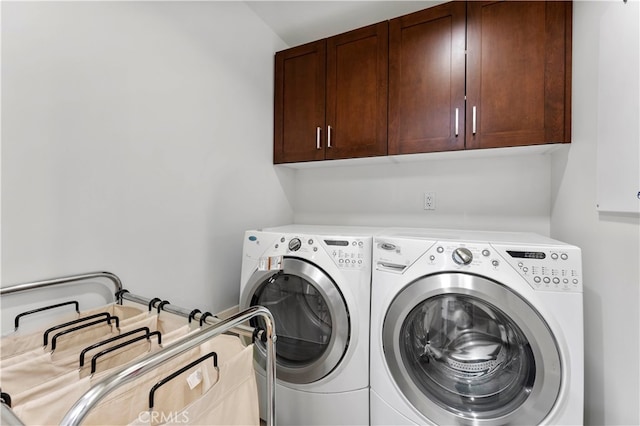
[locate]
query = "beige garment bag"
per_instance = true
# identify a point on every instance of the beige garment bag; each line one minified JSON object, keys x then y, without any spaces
{"x":37,"y":366}
{"x":42,"y":404}
{"x":36,"y":369}
{"x":18,"y":343}
{"x":232,"y":400}
{"x":127,"y":314}
{"x":104,"y":366}
{"x":130,"y":402}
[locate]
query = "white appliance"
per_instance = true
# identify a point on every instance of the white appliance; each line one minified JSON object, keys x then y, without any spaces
{"x":316,"y":281}
{"x":475,"y":328}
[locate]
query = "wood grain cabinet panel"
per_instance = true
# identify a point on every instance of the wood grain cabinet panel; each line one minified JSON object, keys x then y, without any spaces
{"x":357,"y":96}
{"x":331,"y":97}
{"x":427,"y":80}
{"x":299,"y":119}
{"x":518,"y":73}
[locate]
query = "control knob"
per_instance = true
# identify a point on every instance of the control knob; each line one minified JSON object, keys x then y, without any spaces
{"x":295,"y":244}
{"x":462,"y":256}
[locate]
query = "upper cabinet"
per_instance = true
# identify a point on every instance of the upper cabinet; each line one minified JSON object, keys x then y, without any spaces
{"x":300,"y":103}
{"x":518,"y":73}
{"x":427,"y":80}
{"x":461,"y":75}
{"x":331,"y":97}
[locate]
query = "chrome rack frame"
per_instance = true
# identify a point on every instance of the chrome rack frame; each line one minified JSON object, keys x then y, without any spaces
{"x":172,"y":309}
{"x":130,"y":372}
{"x":62,"y":280}
{"x":8,"y":417}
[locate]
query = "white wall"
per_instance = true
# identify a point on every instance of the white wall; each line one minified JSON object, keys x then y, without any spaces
{"x":483,"y":190}
{"x":610,"y":242}
{"x":136,"y":138}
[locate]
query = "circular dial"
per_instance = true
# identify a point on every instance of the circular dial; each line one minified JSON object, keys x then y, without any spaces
{"x":295,"y":244}
{"x":462,"y":256}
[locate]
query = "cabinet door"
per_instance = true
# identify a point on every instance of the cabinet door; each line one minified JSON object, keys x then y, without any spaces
{"x":357,"y":71}
{"x":299,"y":110}
{"x":518,"y":73}
{"x":427,"y":80}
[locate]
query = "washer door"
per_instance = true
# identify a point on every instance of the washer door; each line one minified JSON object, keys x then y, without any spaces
{"x":464,"y":349}
{"x":311,"y":319}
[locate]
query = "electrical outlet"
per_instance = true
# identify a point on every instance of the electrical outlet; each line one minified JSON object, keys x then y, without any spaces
{"x":429,"y":200}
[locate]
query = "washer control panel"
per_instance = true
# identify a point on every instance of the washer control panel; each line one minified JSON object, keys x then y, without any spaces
{"x":548,"y":268}
{"x":346,"y":252}
{"x":543,"y":267}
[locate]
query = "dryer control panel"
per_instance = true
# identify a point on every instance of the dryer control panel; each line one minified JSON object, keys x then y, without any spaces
{"x":544,"y":268}
{"x":347,"y":252}
{"x":547,"y":268}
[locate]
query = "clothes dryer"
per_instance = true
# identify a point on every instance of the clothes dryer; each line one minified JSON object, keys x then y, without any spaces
{"x":316,"y":281}
{"x":476,"y":328}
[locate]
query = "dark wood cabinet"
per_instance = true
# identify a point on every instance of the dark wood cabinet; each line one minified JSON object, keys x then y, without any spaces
{"x":331,"y":97}
{"x":427,"y":80}
{"x":518,"y":73}
{"x":300,"y":103}
{"x":460,"y":75}
{"x":517,"y":80}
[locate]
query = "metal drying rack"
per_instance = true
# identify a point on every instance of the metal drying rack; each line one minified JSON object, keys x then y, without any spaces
{"x":129,"y":372}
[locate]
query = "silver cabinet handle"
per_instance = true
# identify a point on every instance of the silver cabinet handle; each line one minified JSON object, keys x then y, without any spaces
{"x":457,"y":121}
{"x":328,"y":136}
{"x":474,"y":120}
{"x":318,"y":145}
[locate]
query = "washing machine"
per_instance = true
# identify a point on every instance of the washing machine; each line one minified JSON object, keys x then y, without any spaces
{"x":316,"y":281}
{"x":476,"y":328}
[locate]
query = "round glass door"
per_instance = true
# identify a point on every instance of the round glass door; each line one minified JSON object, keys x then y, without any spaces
{"x":311,"y":319}
{"x":465,"y":349}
